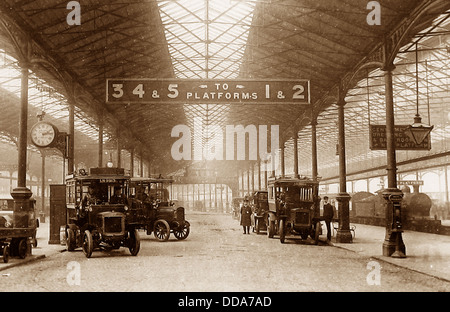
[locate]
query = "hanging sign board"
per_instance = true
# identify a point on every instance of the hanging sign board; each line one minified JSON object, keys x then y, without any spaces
{"x":190,"y":91}
{"x":377,"y":139}
{"x":410,"y":182}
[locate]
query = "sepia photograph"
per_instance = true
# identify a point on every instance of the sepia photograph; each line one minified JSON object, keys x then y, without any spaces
{"x":225,"y":154}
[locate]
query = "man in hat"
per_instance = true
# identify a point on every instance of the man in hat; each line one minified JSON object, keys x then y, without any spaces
{"x":246,"y":213}
{"x":118,"y":197}
{"x":328,"y":213}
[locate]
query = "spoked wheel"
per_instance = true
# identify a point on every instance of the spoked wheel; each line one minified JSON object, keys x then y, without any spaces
{"x":162,"y":230}
{"x":282,"y":231}
{"x":134,"y":243}
{"x":22,"y":248}
{"x":184,"y":232}
{"x":6,"y":254}
{"x":317,"y":233}
{"x":70,"y":241}
{"x":88,"y":244}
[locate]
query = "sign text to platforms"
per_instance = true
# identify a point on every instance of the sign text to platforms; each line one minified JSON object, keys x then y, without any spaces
{"x":188,"y":91}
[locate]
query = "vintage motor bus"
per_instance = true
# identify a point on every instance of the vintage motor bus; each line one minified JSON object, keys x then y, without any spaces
{"x":294,"y":208}
{"x":152,"y":209}
{"x":96,"y":218}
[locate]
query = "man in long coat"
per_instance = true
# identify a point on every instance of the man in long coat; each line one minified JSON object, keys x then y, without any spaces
{"x":246,"y":212}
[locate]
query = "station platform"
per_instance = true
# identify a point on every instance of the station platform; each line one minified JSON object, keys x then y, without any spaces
{"x":42,"y":250}
{"x":425,"y":253}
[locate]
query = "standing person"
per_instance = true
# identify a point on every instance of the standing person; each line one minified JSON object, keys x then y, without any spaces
{"x":246,"y":212}
{"x":328,"y":213}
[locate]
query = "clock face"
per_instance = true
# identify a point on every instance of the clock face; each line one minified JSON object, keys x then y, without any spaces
{"x":43,"y":134}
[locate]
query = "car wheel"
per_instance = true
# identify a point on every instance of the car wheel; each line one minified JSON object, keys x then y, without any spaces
{"x":70,"y":241}
{"x":282,"y":231}
{"x":162,"y":230}
{"x":6,"y":254}
{"x":88,"y":244}
{"x":183,"y":233}
{"x":22,"y":248}
{"x":134,"y":242}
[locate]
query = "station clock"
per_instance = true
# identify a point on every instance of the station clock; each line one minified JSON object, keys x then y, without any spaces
{"x":44,"y":134}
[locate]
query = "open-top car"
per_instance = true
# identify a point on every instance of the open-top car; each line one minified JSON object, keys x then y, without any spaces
{"x":294,"y":208}
{"x":96,"y":212}
{"x":260,"y":208}
{"x":153,"y":210}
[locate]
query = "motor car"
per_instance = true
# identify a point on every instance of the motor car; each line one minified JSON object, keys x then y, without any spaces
{"x":153,"y":210}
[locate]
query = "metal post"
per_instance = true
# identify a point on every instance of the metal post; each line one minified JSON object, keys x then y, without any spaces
{"x":296,"y":175}
{"x":119,"y":151}
{"x":132,"y":163}
{"x":282,"y":160}
{"x":23,"y":124}
{"x":248,"y":181}
{"x":253,"y":178}
{"x":314,"y":148}
{"x":242,"y":183}
{"x":265,"y":176}
{"x":100,"y":142}
{"x":259,"y":175}
{"x":42,"y":183}
{"x":22,"y":203}
{"x":71,"y":147}
{"x":393,"y":245}
{"x":343,"y":234}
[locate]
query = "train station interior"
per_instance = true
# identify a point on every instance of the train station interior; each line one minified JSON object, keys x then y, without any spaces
{"x":368,"y":64}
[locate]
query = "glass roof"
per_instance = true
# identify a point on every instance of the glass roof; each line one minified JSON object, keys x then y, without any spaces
{"x":44,"y":97}
{"x":206,"y":40}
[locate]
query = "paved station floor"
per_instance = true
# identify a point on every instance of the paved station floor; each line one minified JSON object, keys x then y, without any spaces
{"x":425,"y":253}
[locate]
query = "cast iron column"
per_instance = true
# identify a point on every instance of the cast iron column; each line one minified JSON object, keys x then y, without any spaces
{"x":23,"y":206}
{"x":253,"y":177}
{"x":100,"y":142}
{"x":343,"y":234}
{"x":71,"y":147}
{"x":314,"y":148}
{"x":119,"y":151}
{"x":393,"y":245}
{"x":248,"y":181}
{"x":259,"y":175}
{"x":242,"y":183}
{"x":296,"y":154}
{"x":132,"y":162}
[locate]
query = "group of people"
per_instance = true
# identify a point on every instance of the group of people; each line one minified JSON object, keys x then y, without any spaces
{"x":93,"y":197}
{"x":246,"y":212}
